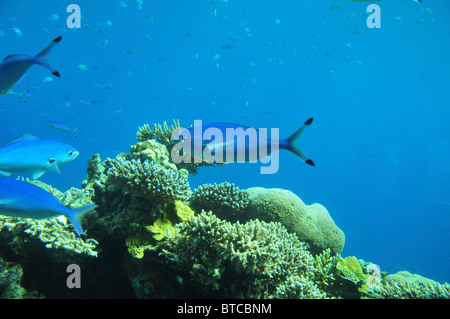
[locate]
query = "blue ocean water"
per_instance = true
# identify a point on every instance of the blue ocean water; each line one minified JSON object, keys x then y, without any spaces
{"x":379,"y":97}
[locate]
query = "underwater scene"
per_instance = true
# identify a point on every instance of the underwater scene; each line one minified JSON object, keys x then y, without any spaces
{"x":224,"y":149}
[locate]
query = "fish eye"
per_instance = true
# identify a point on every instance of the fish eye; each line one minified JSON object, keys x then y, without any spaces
{"x":71,"y":153}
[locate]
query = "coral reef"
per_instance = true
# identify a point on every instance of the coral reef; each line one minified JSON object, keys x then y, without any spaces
{"x":162,"y":227}
{"x":157,"y":239}
{"x":404,"y":285}
{"x":226,"y":200}
{"x":251,"y":260}
{"x":312,"y":223}
{"x":350,"y":269}
{"x":10,"y":279}
{"x":149,"y":180}
{"x":325,"y":266}
{"x":163,"y":135}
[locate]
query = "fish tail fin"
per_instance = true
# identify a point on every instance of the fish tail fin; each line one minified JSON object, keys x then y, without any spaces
{"x":76,"y":214}
{"x":40,"y":57}
{"x":288,"y":143}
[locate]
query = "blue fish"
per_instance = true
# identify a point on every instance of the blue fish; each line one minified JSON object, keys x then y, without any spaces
{"x":243,"y":148}
{"x":13,"y":67}
{"x":28,"y":154}
{"x":61,"y":127}
{"x":25,"y":200}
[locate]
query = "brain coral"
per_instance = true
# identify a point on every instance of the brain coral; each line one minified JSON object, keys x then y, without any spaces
{"x":251,"y":260}
{"x":312,"y":223}
{"x":225,"y":199}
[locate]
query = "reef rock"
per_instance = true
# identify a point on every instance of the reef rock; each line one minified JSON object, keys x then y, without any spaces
{"x":312,"y":223}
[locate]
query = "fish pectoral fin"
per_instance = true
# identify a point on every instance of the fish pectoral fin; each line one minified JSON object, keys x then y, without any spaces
{"x":36,"y":175}
{"x":5,"y":173}
{"x":54,"y":166}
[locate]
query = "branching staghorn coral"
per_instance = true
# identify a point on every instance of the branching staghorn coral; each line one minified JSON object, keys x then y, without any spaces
{"x":148,"y":179}
{"x":162,"y":134}
{"x":251,"y":260}
{"x":325,"y":265}
{"x":225,"y":199}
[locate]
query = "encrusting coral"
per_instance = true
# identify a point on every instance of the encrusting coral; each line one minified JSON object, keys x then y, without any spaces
{"x":225,"y":199}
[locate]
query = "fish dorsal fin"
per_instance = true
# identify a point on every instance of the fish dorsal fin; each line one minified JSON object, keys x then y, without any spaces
{"x":24,"y":137}
{"x":11,"y":56}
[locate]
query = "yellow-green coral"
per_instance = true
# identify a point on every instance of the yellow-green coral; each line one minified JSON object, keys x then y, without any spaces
{"x":162,"y":227}
{"x":325,"y":264}
{"x":350,"y":269}
{"x":136,"y":245}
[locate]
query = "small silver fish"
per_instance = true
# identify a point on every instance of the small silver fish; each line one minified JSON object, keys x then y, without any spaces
{"x":13,"y":67}
{"x":61,"y":127}
{"x":28,"y":154}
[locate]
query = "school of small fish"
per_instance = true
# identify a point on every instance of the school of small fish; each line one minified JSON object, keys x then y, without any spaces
{"x":29,"y":154}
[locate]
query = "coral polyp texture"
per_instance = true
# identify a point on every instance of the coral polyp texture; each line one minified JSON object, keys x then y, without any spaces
{"x":225,"y":199}
{"x":152,"y":181}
